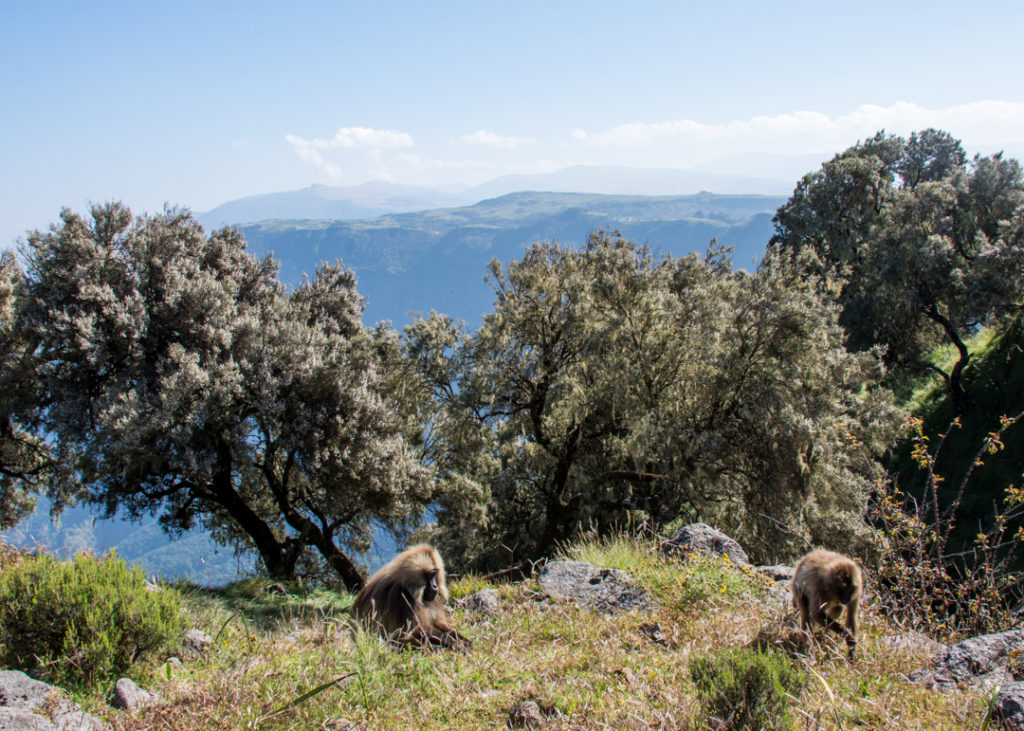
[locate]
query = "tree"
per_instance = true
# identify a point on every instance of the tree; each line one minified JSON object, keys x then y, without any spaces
{"x":178,"y":377}
{"x":930,"y":247}
{"x":25,"y":460}
{"x":611,"y":386}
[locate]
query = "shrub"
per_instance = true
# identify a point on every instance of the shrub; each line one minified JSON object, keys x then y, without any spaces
{"x":922,"y":580}
{"x":76,"y":622}
{"x":11,"y":555}
{"x":745,"y":688}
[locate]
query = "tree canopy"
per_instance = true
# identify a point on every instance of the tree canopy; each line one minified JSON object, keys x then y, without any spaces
{"x":610,"y":386}
{"x":176,"y":376}
{"x":929,"y":245}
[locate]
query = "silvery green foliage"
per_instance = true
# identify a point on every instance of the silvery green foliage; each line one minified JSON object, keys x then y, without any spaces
{"x":25,"y":460}
{"x":179,"y":377}
{"x":929,"y":245}
{"x":610,"y":386}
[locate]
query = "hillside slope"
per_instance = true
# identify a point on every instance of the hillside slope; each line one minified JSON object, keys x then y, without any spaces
{"x":294,"y":664}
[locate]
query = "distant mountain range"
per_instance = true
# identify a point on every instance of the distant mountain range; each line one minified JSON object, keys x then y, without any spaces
{"x":417,"y":249}
{"x":379,"y":198}
{"x":328,"y":202}
{"x":436,"y":259}
{"x":193,"y":556}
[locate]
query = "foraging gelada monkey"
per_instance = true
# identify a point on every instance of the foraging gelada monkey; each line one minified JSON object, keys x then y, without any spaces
{"x":402,"y":601}
{"x":823,"y":583}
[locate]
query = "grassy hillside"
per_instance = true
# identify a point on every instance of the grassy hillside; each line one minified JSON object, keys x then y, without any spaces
{"x":584,"y":670}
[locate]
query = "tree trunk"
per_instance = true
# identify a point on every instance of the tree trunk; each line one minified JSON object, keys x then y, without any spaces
{"x":955,"y":381}
{"x":311,"y":535}
{"x":272,"y":552}
{"x":561,"y":515}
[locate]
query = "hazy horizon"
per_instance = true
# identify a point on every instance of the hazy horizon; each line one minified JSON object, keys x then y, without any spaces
{"x":198,"y":104}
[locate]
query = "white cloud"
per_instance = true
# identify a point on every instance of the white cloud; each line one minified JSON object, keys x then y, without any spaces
{"x":984,"y":122}
{"x":358,"y":154}
{"x":490,"y":139}
{"x":362,"y":141}
{"x":358,"y":138}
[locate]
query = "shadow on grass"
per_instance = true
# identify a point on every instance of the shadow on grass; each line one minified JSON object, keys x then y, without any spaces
{"x":266,"y":604}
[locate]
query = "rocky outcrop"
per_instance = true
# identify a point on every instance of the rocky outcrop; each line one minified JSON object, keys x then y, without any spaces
{"x":130,"y":697}
{"x":526,"y":715}
{"x":31,"y":705}
{"x":979,"y":661}
{"x":701,"y":538}
{"x":196,"y":643}
{"x":485,"y":601}
{"x":1008,"y":706}
{"x":606,"y":590}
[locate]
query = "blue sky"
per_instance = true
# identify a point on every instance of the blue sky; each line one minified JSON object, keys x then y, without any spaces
{"x":197,"y":103}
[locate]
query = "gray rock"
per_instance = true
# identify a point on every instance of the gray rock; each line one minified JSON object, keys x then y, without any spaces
{"x":343,"y":724}
{"x":780,"y":593}
{"x":526,"y":715}
{"x":70,"y":717}
{"x":916,"y":642}
{"x":196,"y":642}
{"x":701,"y":538}
{"x":485,"y":601}
{"x":18,"y":690}
{"x":979,"y":661}
{"x":778,"y":572}
{"x":655,"y":633}
{"x":25,"y":700}
{"x":16,"y":719}
{"x":129,"y":696}
{"x":606,"y":590}
{"x":1009,"y":706}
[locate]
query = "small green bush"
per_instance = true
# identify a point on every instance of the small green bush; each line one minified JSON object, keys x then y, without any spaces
{"x":745,"y":688}
{"x":76,"y":622}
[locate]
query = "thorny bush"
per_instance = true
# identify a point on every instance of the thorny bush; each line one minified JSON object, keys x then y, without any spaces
{"x":925,"y":581}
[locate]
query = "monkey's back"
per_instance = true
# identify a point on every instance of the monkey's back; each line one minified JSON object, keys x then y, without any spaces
{"x":815,"y":570}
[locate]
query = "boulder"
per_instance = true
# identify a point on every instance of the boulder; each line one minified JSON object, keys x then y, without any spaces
{"x":778,"y":572}
{"x":526,"y":715}
{"x":16,"y":719}
{"x":26,"y":703}
{"x":655,"y":633}
{"x":196,"y":642}
{"x":701,"y":538}
{"x":1008,"y":706}
{"x":485,"y":601}
{"x":130,"y":697}
{"x":606,"y":590}
{"x":978,"y":661}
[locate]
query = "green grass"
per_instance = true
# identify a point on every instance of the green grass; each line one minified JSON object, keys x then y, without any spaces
{"x":995,"y":382}
{"x":302,"y":665}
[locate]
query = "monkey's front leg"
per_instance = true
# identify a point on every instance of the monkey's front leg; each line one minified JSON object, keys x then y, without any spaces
{"x":831,"y":624}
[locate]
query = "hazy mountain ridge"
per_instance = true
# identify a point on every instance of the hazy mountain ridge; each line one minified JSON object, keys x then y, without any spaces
{"x":380,"y":198}
{"x":330,"y":202}
{"x":437,"y":259}
{"x":611,"y":180}
{"x":193,"y":555}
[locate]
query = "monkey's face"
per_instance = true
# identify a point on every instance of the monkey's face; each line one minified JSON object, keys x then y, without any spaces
{"x":845,"y":587}
{"x":431,"y":589}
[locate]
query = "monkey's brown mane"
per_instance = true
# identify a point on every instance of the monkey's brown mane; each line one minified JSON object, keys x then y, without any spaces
{"x":393,"y":601}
